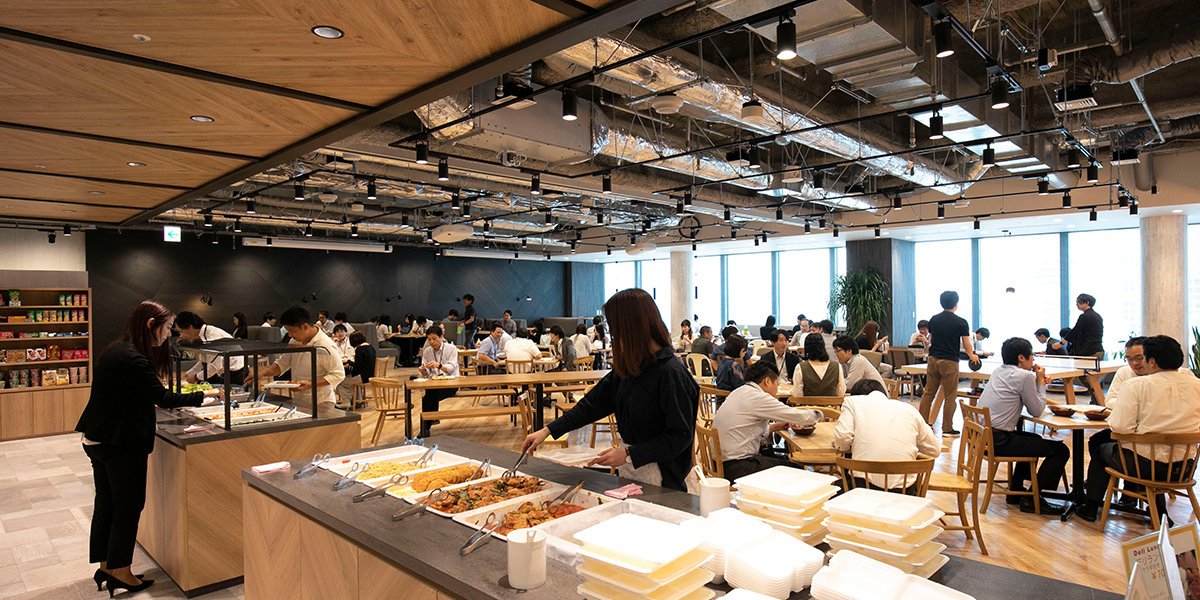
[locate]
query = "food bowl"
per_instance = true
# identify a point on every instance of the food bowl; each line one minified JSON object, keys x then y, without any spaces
{"x":804,"y":431}
{"x":1061,"y":411}
{"x":1098,"y":415}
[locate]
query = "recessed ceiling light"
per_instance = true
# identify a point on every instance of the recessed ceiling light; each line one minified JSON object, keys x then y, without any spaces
{"x":328,"y":32}
{"x":67,"y":210}
{"x":908,"y":237}
{"x":136,"y":164}
{"x":1178,"y":210}
{"x":96,"y":193}
{"x":202,"y":119}
{"x":1071,"y":226}
{"x":1058,"y":220}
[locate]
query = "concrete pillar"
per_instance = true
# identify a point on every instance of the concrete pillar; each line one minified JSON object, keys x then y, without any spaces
{"x":681,"y":289}
{"x":1165,"y":276}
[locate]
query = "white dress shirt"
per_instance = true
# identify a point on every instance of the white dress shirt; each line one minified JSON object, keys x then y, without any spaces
{"x":875,"y":427}
{"x":216,"y":366}
{"x":798,"y":377}
{"x":327,"y":326}
{"x":743,"y":418}
{"x":345,"y":350}
{"x":798,"y":339}
{"x":348,"y":326}
{"x":329,"y":367}
{"x":1122,"y":375}
{"x":446,"y":355}
{"x":780,"y":362}
{"x":267,"y":325}
{"x":521,"y":349}
{"x":1163,"y":402}
{"x":859,"y":368}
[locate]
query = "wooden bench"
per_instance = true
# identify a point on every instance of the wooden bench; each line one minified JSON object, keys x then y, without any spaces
{"x":471,"y":413}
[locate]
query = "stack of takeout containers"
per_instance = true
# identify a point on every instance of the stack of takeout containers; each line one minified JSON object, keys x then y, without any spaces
{"x":789,"y":500}
{"x":723,"y":532}
{"x":774,"y":566}
{"x":630,"y":556}
{"x":852,"y":576}
{"x":892,"y":528}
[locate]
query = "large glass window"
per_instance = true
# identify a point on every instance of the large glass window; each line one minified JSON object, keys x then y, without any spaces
{"x":750,"y":289}
{"x":1115,"y":281}
{"x":1029,"y":265}
{"x":1193,"y":233}
{"x":706,"y":299}
{"x":941,"y":266}
{"x":617,"y":276}
{"x":803,"y":285}
{"x":839,"y":258}
{"x":656,"y":280}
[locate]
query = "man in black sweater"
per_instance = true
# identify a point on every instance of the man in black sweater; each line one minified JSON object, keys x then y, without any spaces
{"x":1086,"y":337}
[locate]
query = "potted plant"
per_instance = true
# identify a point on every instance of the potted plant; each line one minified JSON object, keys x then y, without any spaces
{"x":861,"y":295}
{"x":1196,"y":351}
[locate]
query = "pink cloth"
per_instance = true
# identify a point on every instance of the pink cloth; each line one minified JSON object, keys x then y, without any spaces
{"x":624,"y":492}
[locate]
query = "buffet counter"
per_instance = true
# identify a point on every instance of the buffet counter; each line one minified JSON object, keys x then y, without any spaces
{"x":192,"y":523}
{"x":304,"y":540}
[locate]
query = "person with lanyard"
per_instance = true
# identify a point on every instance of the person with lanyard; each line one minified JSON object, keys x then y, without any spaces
{"x":470,"y":324}
{"x":118,"y":436}
{"x":744,"y":421}
{"x":785,"y":362}
{"x":949,"y":332}
{"x":330,"y":372}
{"x":343,"y":320}
{"x":491,"y":350}
{"x":650,"y":392}
{"x":438,"y":358}
{"x":344,"y":346}
{"x":1087,"y":336}
{"x":192,"y":328}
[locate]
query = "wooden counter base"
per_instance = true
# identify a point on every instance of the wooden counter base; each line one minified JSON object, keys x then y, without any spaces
{"x":192,"y":523}
{"x":289,"y":556}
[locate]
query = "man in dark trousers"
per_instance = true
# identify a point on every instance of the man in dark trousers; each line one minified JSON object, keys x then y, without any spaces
{"x":949,"y":333}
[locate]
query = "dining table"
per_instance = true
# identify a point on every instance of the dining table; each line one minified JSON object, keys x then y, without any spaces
{"x":819,"y":442}
{"x":1077,"y":424}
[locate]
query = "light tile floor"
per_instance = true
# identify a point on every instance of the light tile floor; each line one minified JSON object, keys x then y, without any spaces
{"x":46,"y":496}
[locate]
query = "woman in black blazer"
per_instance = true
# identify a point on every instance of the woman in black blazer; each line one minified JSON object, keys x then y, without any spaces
{"x":118,"y":436}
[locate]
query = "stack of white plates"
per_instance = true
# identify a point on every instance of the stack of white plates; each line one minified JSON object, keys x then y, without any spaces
{"x":630,"y":556}
{"x":723,"y":532}
{"x":740,"y":594}
{"x":892,"y":528}
{"x":789,"y":500}
{"x":775,"y":566}
{"x":852,"y":576}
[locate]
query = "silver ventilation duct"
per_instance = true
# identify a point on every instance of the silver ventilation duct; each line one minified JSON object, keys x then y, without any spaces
{"x":1180,"y":44}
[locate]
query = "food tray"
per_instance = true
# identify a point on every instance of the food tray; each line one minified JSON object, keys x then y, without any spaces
{"x":217,"y":409}
{"x":685,"y":582}
{"x":562,"y":545}
{"x":749,"y":504}
{"x":588,"y":500}
{"x":894,"y":541}
{"x":787,"y":487}
{"x":549,"y":486}
{"x":875,"y":505}
{"x":599,"y":591}
{"x":405,"y":492}
{"x":852,"y":576}
{"x":637,"y":544}
{"x":906,"y":562}
{"x":917,"y":588}
{"x":280,"y":385}
{"x":437,"y":462}
{"x":642,"y":584}
{"x":257,"y":419}
{"x":572,"y":456}
{"x":342,"y":464}
{"x":918,"y":522}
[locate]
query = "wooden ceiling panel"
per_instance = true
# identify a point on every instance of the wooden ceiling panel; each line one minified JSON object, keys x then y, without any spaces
{"x":390,"y":47}
{"x":28,"y":209}
{"x":37,"y":186}
{"x":54,"y":89}
{"x":32,"y":150}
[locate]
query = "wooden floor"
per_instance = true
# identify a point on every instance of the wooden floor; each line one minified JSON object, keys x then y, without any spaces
{"x":1074,"y":551}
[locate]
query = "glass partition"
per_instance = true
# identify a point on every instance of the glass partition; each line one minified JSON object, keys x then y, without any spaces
{"x":706,"y":298}
{"x":941,"y":266}
{"x":617,"y":276}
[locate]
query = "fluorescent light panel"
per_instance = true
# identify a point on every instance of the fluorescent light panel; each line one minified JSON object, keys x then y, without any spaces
{"x":256,"y":242}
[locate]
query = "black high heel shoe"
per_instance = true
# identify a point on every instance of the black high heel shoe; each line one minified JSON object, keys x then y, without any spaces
{"x":115,"y":585}
{"x":100,"y":577}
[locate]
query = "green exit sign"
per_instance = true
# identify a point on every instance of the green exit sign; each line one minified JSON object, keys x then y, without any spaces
{"x":172,"y":233}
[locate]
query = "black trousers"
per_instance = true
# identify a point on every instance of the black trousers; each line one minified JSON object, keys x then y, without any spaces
{"x":430,"y":402}
{"x":120,"y":477}
{"x":742,"y":467}
{"x":1024,"y":443}
{"x":1108,"y":454}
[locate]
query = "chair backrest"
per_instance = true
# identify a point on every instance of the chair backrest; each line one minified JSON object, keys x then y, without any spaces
{"x":381,"y":366}
{"x":1167,"y":449}
{"x":814,"y":401}
{"x":387,"y":394}
{"x":762,"y":350}
{"x":519,"y":366}
{"x":708,"y":450}
{"x":972,"y":447}
{"x":586,"y":363}
{"x":893,"y":388}
{"x":710,"y":397}
{"x":875,"y":358}
{"x":699,"y":365}
{"x":900,"y":356}
{"x":905,"y":476}
{"x":526,"y":413}
{"x":831,"y":414}
{"x":982,"y":416}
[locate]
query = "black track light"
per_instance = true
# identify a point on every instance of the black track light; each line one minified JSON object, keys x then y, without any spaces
{"x":756,"y":241}
{"x":422,"y":152}
{"x":728,"y":215}
{"x":208,"y":220}
{"x":942,"y":38}
{"x":807,"y":227}
{"x":299,"y":192}
{"x":878,"y":231}
{"x":354,"y":231}
{"x":1154,"y":189}
{"x":371,"y":195}
{"x":66,"y":231}
{"x":270,"y":241}
{"x":535,"y":185}
{"x":1043,"y":187}
{"x":386,"y":247}
{"x":645,"y":225}
{"x":573,"y":246}
{"x":50,"y":237}
{"x":443,"y":169}
{"x":835,"y":231}
{"x":1073,"y":159}
{"x":693,"y":245}
{"x":1092,"y":216}
{"x":753,"y":156}
{"x":764,"y":237}
{"x":679,"y":207}
{"x":549,"y":218}
{"x":989,"y":156}
{"x":1133,"y":208}
{"x":785,"y":40}
{"x":251,"y":207}
{"x":487,"y":226}
{"x":821,"y":223}
{"x":606,"y":183}
{"x":897,"y":203}
{"x":732,"y":233}
{"x":935,"y":127}
{"x":237,"y":225}
{"x":941,"y":211}
{"x":466,"y":212}
{"x":404,"y":219}
{"x":608,"y":250}
{"x":599,"y":218}
{"x":999,"y":95}
{"x":779,"y":213}
{"x":1093,"y":172}
{"x":818,"y":181}
{"x":1066,"y":199}
{"x":976,"y":223}
{"x":308,"y":230}
{"x":524,"y":243}
{"x":569,"y":112}
{"x":1122,"y":200}
{"x":215,"y":240}
{"x":456,"y":202}
{"x":687,"y":198}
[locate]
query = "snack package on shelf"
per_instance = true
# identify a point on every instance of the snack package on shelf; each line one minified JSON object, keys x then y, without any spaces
{"x":63,"y":376}
{"x":6,"y":335}
{"x":35,"y":378}
{"x":53,"y":352}
{"x":49,"y":377}
{"x":83,"y":374}
{"x":73,"y":375}
{"x":3,"y":380}
{"x":14,"y":298}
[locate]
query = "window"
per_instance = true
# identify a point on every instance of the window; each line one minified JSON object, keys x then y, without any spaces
{"x":803,"y":285}
{"x":617,"y":276}
{"x":941,"y":266}
{"x":706,"y":298}
{"x":1029,"y":264}
{"x":749,"y":288}
{"x":1116,"y":284}
{"x":1193,"y":241}
{"x":656,"y":280}
{"x":839,"y":257}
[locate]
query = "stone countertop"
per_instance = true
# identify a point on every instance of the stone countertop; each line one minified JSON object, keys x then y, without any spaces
{"x":171,"y":423}
{"x":428,"y":545}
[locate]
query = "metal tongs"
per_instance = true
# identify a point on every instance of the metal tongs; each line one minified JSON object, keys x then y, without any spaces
{"x":419,"y":508}
{"x":564,"y":497}
{"x":397,"y":479}
{"x":482,"y":471}
{"x":425,"y":458}
{"x":350,"y":477}
{"x":317,"y":461}
{"x":520,"y":461}
{"x":481,"y":536}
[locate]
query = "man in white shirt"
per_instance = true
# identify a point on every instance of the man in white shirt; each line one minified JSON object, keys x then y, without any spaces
{"x":743,"y":422}
{"x":855,"y":367}
{"x":341,"y":319}
{"x":269,"y":320}
{"x":192,"y":328}
{"x":921,"y":338}
{"x":1166,"y":400}
{"x":785,"y":362}
{"x":330,"y":372}
{"x":801,"y":332}
{"x":437,"y":358}
{"x":324,"y":323}
{"x":340,"y":340}
{"x":521,"y":347}
{"x":875,"y":427}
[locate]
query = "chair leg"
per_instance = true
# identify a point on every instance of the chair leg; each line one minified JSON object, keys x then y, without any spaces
{"x":1195,"y":505}
{"x":1033,"y":480}
{"x":1108,"y":496}
{"x":1152,"y":498}
{"x":975,"y":518}
{"x":991,"y":483}
{"x":962,"y":512}
{"x":378,"y":428}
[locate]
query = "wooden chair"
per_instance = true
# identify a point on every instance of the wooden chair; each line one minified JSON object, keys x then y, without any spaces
{"x":518,"y":366}
{"x":831,"y":414}
{"x":699,"y":365}
{"x":900,"y":356}
{"x":912,"y":475}
{"x":527,"y":420}
{"x":587,"y":363}
{"x":983,"y":417}
{"x":360,"y":389}
{"x":875,"y":358}
{"x":893,"y":387}
{"x":1180,"y":447}
{"x":707,"y":451}
{"x":965,"y":482}
{"x":831,"y":401}
{"x":710,"y":397}
{"x":388,"y":398}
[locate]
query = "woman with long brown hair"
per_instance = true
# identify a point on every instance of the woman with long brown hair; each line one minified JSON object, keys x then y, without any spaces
{"x":650,"y":392}
{"x":868,"y":338}
{"x":118,"y":436}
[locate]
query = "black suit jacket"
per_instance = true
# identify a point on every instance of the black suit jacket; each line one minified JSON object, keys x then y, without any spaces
{"x":364,"y":363}
{"x":125,"y":390}
{"x":790,"y":360}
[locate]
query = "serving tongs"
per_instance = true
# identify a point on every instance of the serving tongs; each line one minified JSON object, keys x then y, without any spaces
{"x":350,"y":477}
{"x":482,"y":471}
{"x":565,"y":497}
{"x":520,"y":461}
{"x":419,"y":508}
{"x":397,"y":479}
{"x":317,"y":461}
{"x":425,"y":458}
{"x":481,"y":536}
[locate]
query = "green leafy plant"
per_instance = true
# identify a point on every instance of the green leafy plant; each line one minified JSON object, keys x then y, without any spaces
{"x":1195,"y":358}
{"x":861,"y":295}
{"x":1120,"y":354}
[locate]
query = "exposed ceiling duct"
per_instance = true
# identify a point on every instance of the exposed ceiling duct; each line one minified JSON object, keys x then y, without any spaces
{"x":1106,"y":25}
{"x":1180,"y":44}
